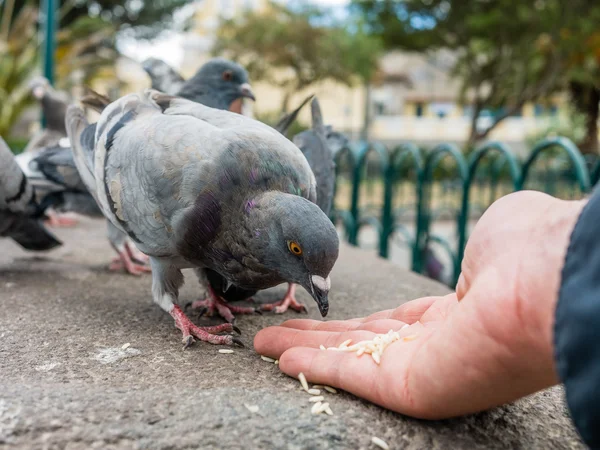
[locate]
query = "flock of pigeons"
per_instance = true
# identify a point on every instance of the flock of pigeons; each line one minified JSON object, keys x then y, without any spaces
{"x":184,"y":180}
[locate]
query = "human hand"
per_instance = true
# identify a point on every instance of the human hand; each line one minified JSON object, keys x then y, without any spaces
{"x":488,"y":344}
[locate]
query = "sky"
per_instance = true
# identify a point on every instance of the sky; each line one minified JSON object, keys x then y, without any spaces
{"x":169,"y":46}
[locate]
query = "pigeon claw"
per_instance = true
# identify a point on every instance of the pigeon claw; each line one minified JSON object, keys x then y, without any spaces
{"x":236,"y":329}
{"x":207,"y":334}
{"x":288,"y":301}
{"x":188,"y":341}
{"x":237,"y":342}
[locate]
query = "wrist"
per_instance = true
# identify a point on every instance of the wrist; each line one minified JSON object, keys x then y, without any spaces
{"x":548,"y":252}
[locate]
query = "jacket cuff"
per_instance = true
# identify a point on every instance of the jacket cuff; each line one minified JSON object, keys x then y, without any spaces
{"x":577,"y":323}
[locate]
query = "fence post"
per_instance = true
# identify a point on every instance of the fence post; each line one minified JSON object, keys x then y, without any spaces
{"x":49,"y":36}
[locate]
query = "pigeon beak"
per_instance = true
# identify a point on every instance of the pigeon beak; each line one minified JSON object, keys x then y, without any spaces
{"x":39,"y":92}
{"x":246,"y":91}
{"x":320,"y":289}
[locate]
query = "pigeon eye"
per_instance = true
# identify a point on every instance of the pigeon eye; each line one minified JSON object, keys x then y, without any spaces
{"x":227,"y":75}
{"x":295,"y":248}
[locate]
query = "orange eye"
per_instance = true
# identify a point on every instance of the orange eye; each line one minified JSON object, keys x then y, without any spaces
{"x":227,"y":75}
{"x":295,"y":248}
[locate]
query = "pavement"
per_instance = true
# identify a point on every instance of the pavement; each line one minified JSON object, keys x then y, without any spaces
{"x":67,"y":383}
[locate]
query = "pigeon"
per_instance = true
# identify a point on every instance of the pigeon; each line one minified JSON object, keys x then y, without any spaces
{"x":54,"y":106}
{"x":20,"y":218}
{"x":220,"y":83}
{"x":196,"y":187}
{"x":52,"y":171}
{"x":162,"y":76}
{"x":315,"y":146}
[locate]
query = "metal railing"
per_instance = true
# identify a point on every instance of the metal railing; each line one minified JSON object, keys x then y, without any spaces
{"x":404,"y":190}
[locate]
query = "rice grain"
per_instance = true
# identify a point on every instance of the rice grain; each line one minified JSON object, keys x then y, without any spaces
{"x":314,"y":391}
{"x":267,"y":359}
{"x":330,"y":389}
{"x":316,"y":398}
{"x":251,"y":408}
{"x":380,"y":443}
{"x":303,"y":382}
{"x":225,"y":350}
{"x":316,"y":409}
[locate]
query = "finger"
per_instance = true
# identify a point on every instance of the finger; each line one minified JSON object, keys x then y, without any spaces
{"x":316,"y":325}
{"x":440,"y":309}
{"x":273,"y":341}
{"x":382,"y":326}
{"x":376,"y":326}
{"x":411,"y":312}
{"x":461,"y":287}
{"x":358,"y":375}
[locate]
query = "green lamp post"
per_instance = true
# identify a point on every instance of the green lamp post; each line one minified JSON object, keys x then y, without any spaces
{"x":49,"y":45}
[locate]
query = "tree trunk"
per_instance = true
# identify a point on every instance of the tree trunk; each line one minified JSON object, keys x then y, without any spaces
{"x":586,"y":99}
{"x":364,"y":134}
{"x":474,"y":134}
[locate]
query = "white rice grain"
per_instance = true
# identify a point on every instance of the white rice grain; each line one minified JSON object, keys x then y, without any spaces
{"x":376,"y":357}
{"x":328,"y":411}
{"x":303,"y":382}
{"x":276,"y":362}
{"x":330,"y":389}
{"x":267,"y":359}
{"x":225,"y":350}
{"x":375,"y":347}
{"x":251,"y":408}
{"x":125,"y":346}
{"x":314,"y":391}
{"x":323,"y":407}
{"x":316,"y":409}
{"x":380,"y":443}
{"x":345,"y":343}
{"x":316,"y":398}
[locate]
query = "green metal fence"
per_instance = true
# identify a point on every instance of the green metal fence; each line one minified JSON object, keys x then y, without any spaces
{"x":401,"y":192}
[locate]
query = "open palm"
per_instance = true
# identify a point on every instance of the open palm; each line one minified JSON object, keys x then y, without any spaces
{"x":485,"y":345}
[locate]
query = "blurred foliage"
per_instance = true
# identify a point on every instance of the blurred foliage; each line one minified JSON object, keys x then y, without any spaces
{"x":85,"y":52}
{"x":18,"y":59}
{"x":572,"y":126}
{"x":508,"y":52}
{"x":145,"y":18}
{"x":293,"y":49}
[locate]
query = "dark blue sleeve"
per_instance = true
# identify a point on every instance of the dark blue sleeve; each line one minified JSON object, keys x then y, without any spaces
{"x":577,"y":325}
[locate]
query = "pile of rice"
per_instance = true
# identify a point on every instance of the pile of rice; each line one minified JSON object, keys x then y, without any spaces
{"x":375,"y":347}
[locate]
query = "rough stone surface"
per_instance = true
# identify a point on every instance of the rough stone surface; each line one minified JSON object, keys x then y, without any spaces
{"x":67,"y":382}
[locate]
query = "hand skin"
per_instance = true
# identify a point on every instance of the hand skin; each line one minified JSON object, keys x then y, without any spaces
{"x":488,"y":344}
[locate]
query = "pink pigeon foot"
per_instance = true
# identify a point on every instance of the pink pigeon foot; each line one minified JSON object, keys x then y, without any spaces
{"x":60,"y":220}
{"x":131,"y":259}
{"x":288,"y":301}
{"x":213,"y":303}
{"x":206,"y":334}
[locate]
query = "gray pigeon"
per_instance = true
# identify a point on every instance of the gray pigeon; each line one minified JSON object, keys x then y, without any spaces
{"x":315,"y":146}
{"x":220,"y":83}
{"x":54,"y":106}
{"x":200,"y":188}
{"x":162,"y":76}
{"x":19,"y":214}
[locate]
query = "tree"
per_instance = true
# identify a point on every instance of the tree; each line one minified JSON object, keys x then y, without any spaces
{"x":294,"y":49}
{"x":145,"y":18}
{"x":509,"y":52}
{"x":85,"y":46}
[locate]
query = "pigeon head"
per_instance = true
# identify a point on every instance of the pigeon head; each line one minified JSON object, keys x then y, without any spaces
{"x":220,"y":83}
{"x":39,"y":86}
{"x":295,"y":240}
